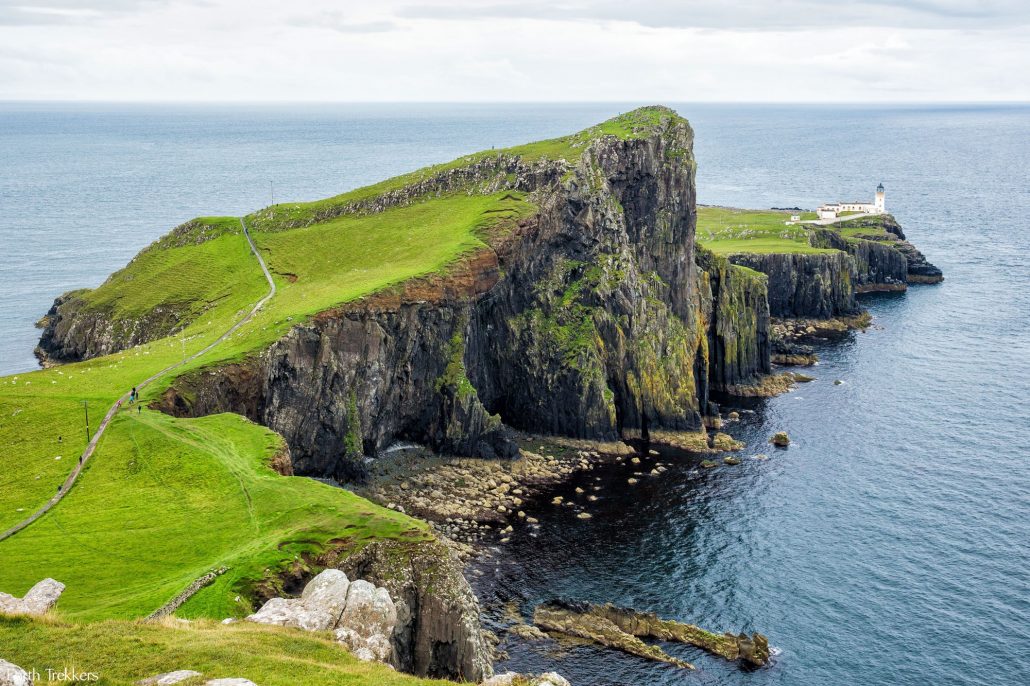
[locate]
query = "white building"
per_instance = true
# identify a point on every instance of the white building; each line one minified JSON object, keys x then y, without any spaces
{"x":833,"y":210}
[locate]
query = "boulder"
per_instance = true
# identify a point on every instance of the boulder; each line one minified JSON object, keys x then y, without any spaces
{"x":780,"y":439}
{"x":362,"y":616}
{"x":13,"y":675}
{"x":37,"y":601}
{"x":368,"y":621}
{"x":230,"y":682}
{"x":169,"y":678}
{"x":318,"y":608}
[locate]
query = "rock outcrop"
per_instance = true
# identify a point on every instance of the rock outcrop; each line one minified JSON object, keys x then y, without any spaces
{"x":362,"y":616}
{"x":589,"y":319}
{"x":169,"y":678}
{"x":623,"y":628}
{"x":438,"y":630}
{"x":576,"y":619}
{"x":38,"y":601}
{"x":820,"y":285}
{"x":13,"y":675}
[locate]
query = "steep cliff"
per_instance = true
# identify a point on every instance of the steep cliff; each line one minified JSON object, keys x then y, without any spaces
{"x":878,"y":265}
{"x":885,"y":231}
{"x":589,"y":318}
{"x":820,"y":285}
{"x":438,"y":628}
{"x":736,"y":302}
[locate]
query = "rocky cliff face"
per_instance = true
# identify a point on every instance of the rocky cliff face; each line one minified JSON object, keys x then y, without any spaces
{"x":438,"y":631}
{"x":73,"y":331}
{"x":878,"y":265}
{"x":590,"y":319}
{"x":820,"y":285}
{"x":736,"y":302}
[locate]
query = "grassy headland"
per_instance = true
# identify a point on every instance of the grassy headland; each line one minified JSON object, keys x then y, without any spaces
{"x":165,"y":500}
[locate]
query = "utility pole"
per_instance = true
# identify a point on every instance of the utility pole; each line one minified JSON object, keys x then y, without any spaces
{"x":85,"y":407}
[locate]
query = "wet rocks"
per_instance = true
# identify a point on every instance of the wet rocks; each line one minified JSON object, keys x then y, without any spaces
{"x":623,"y":628}
{"x":38,"y":601}
{"x":514,"y":679}
{"x":576,"y":619}
{"x":780,"y":439}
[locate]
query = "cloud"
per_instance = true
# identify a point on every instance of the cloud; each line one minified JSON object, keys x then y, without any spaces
{"x":36,"y":13}
{"x":564,"y":50}
{"x":337,"y":21}
{"x":744,"y":14}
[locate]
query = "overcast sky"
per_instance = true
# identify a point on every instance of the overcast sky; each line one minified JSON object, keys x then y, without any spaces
{"x":516,"y":50}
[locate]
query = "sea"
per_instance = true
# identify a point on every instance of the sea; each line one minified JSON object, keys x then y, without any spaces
{"x":889,"y":544}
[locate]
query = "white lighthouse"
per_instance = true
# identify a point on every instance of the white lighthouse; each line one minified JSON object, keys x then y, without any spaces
{"x":879,"y":202}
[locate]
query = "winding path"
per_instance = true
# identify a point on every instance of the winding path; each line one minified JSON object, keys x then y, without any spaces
{"x":91,"y":447}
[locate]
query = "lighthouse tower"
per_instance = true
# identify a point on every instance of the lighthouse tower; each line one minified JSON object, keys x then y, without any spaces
{"x":879,"y":203}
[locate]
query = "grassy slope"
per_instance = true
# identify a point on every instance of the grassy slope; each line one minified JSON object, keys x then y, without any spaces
{"x":124,"y":652}
{"x":725,"y":231}
{"x":170,"y":499}
{"x":163,"y":499}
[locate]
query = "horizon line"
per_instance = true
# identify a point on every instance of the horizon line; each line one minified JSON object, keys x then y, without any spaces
{"x":634,"y":103}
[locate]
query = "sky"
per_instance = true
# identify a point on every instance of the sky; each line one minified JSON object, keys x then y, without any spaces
{"x":516,"y":50}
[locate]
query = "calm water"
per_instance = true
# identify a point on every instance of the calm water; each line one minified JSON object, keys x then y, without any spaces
{"x":889,"y":544}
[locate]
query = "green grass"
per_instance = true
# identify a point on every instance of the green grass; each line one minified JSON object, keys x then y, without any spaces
{"x":165,"y":500}
{"x":634,"y":124}
{"x":726,"y":231}
{"x":168,"y":499}
{"x":329,"y":264}
{"x":123,"y":652}
{"x":181,"y":277}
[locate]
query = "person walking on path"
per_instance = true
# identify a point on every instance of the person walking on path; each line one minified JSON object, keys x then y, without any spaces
{"x":132,"y":396}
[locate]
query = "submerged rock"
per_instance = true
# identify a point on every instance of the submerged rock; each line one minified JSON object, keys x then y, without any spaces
{"x":577,"y":620}
{"x":623,"y":628}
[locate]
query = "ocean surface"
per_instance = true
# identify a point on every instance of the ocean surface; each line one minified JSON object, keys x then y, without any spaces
{"x":890,"y":544}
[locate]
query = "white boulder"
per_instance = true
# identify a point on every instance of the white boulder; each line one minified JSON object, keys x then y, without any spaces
{"x":13,"y":675}
{"x":37,"y":601}
{"x":169,"y":678}
{"x":367,"y":622}
{"x":363,"y":616}
{"x":318,"y":608}
{"x":229,"y":682}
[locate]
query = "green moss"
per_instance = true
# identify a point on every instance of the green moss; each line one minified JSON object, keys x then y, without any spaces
{"x":353,"y":444}
{"x":455,"y":376}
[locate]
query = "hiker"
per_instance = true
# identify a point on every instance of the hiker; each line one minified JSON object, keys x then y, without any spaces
{"x":139,"y":409}
{"x":132,"y":396}
{"x":59,"y":438}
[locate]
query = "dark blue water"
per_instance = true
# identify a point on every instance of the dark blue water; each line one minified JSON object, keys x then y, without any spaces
{"x":889,"y":544}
